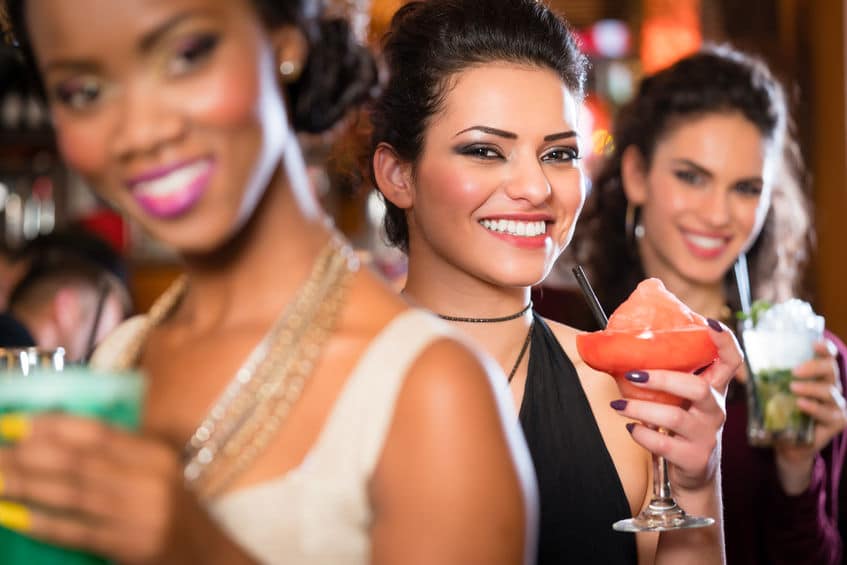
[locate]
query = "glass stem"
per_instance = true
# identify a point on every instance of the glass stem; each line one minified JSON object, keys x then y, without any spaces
{"x":661,"y":482}
{"x":662,"y":498}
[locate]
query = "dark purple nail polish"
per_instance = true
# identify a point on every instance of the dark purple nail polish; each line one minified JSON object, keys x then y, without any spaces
{"x":701,"y":370}
{"x":618,"y":404}
{"x":714,"y":324}
{"x":637,"y":376}
{"x":630,"y":426}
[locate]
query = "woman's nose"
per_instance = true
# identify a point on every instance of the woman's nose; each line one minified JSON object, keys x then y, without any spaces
{"x":715,"y":208}
{"x":529,"y":182}
{"x":144,"y":124}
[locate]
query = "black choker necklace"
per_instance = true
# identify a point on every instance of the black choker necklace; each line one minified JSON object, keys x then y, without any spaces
{"x":487,"y":320}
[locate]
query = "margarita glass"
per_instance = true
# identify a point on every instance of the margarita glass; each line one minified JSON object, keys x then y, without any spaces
{"x":652,"y":330}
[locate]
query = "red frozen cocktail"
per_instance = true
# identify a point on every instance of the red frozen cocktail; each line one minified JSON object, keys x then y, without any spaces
{"x":652,"y":329}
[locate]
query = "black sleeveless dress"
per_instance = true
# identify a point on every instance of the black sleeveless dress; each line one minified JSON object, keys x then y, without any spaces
{"x":581,"y":494}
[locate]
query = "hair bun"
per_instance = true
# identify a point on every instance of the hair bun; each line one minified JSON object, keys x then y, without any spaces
{"x":339,"y":74}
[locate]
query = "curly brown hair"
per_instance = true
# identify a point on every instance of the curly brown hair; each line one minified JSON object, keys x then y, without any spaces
{"x":718,"y":79}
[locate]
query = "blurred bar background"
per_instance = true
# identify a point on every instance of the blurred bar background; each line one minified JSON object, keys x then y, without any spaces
{"x":803,"y":40}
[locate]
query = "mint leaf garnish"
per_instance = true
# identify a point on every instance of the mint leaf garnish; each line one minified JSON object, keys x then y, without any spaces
{"x":756,"y":310}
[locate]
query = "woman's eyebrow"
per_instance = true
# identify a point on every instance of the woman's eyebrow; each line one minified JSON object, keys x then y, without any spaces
{"x":561,"y":135}
{"x":145,"y":44}
{"x":689,"y":163}
{"x":490,"y":130}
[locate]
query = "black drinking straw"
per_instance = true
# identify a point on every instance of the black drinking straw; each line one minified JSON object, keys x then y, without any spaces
{"x":590,"y":297}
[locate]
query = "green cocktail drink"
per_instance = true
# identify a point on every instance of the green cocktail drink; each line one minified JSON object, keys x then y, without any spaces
{"x":115,"y":398}
{"x":778,"y":406}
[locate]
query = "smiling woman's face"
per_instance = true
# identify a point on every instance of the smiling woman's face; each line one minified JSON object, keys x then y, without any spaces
{"x":703,"y":199}
{"x":170,"y":109}
{"x":498,"y":187}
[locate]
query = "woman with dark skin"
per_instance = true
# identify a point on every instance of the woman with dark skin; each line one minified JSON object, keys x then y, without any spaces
{"x":475,"y":149}
{"x":705,"y":169}
{"x":388,"y":443}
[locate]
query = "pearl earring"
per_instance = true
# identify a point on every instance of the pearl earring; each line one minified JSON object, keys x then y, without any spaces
{"x":287,"y":68}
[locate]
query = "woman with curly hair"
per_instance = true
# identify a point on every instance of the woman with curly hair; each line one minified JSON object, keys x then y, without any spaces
{"x":705,"y":169}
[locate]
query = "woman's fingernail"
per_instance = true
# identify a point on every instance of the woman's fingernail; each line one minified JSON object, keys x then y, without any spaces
{"x":618,"y":404}
{"x":701,"y":370}
{"x":637,"y":376}
{"x":714,"y":324}
{"x":14,"y":427}
{"x":15,"y":516}
{"x":630,"y":426}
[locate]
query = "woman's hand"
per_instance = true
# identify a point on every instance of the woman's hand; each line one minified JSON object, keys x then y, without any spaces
{"x":820,"y":395}
{"x":79,"y":483}
{"x":691,"y":445}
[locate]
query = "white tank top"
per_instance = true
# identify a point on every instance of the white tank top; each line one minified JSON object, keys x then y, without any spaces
{"x":319,"y":512}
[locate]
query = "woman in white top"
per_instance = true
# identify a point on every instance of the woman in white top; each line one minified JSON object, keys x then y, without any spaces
{"x":344,"y":427}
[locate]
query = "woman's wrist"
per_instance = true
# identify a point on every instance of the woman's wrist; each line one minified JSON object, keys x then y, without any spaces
{"x":704,"y":500}
{"x":794,"y":472}
{"x":698,"y":545}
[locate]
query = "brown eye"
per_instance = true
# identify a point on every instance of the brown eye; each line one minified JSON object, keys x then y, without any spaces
{"x":479,"y":151}
{"x":562,"y":155}
{"x":78,"y":94}
{"x":689,"y":177}
{"x":192,"y":52}
{"x":748,"y":188}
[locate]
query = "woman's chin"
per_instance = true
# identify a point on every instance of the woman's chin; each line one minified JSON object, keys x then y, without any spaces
{"x":518,"y":280}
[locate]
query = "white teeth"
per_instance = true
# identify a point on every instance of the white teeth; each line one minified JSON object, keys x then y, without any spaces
{"x":705,"y":242}
{"x":172,"y":182}
{"x":515,"y":227}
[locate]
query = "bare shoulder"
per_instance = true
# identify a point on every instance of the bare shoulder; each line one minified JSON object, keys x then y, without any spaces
{"x":454,"y":482}
{"x":454,"y":384}
{"x":590,"y":378}
{"x":566,"y":336}
{"x":371,"y":304}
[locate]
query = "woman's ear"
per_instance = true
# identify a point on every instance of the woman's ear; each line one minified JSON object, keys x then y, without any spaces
{"x":291,"y":48}
{"x":393,"y":176}
{"x":634,"y":175}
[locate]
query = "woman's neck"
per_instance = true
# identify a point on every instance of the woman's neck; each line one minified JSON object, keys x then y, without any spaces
{"x":440,"y":287}
{"x":257,"y":272}
{"x":445,"y":289}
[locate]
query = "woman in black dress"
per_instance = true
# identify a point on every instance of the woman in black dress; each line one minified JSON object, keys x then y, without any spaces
{"x":476,"y":151}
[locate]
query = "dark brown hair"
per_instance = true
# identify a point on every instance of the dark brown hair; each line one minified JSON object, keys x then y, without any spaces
{"x":717,"y":79}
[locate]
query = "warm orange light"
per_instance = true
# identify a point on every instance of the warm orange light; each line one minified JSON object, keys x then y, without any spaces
{"x":671,"y":30}
{"x":664,"y":42}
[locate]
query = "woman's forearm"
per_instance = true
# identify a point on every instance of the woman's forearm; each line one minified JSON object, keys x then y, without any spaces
{"x":698,"y":545}
{"x":794,"y":474}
